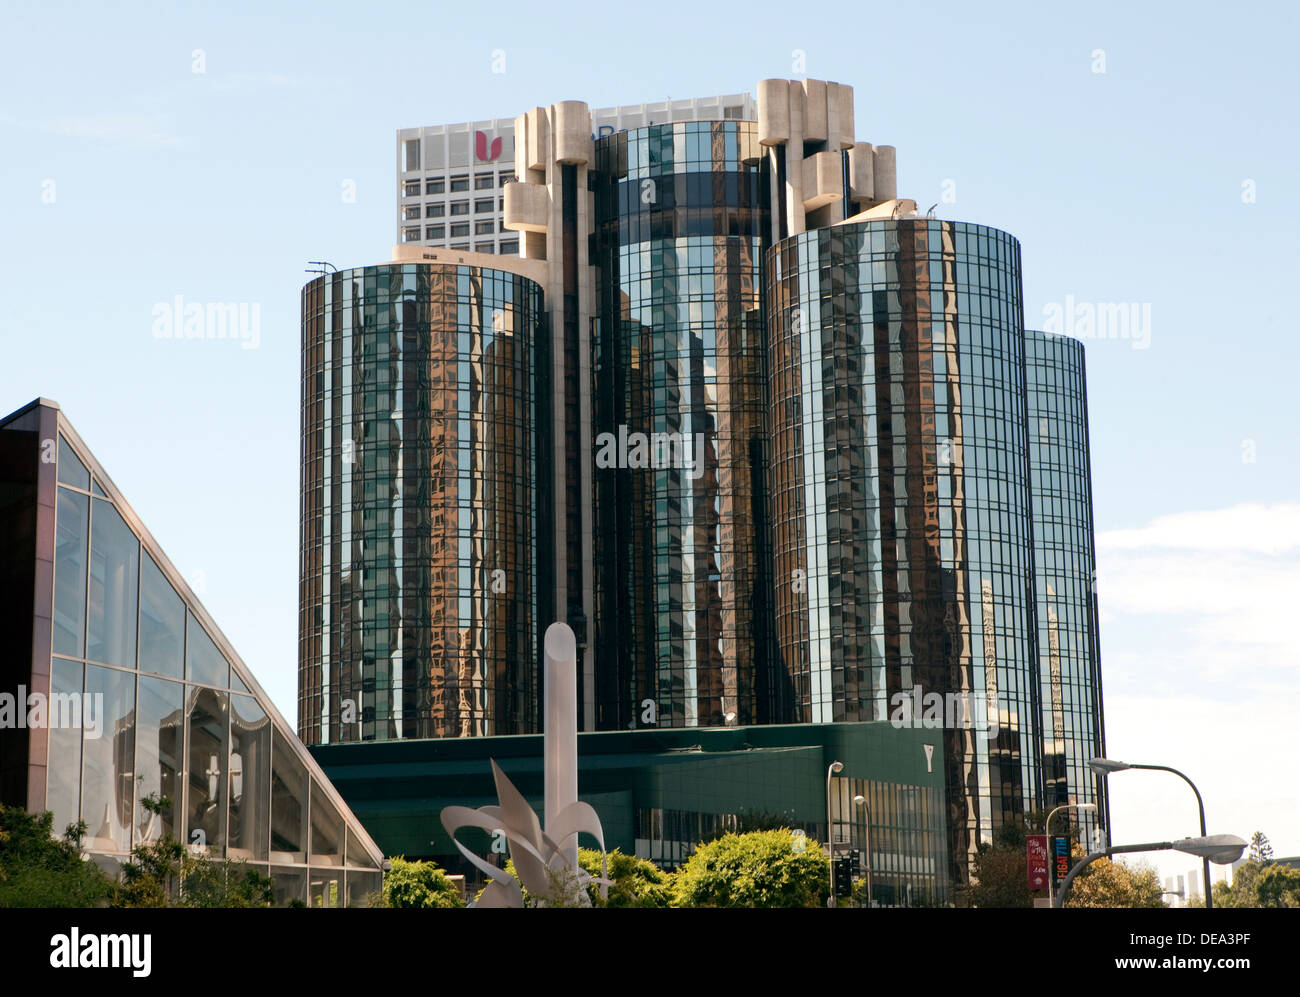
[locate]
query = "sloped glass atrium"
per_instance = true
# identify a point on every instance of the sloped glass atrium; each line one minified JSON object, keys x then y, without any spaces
{"x":125,"y":688}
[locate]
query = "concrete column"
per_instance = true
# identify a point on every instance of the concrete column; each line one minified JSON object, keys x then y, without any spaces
{"x":862,"y":183}
{"x":886,"y":173}
{"x":560,"y":733}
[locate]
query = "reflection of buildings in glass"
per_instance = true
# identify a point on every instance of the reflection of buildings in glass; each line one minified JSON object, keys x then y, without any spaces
{"x":677,"y":219}
{"x":176,"y":681}
{"x":908,"y":376}
{"x":1065,"y":566}
{"x":863,"y":521}
{"x":419,"y":556}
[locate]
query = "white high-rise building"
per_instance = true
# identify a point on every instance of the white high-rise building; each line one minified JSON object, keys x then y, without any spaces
{"x":449,"y":177}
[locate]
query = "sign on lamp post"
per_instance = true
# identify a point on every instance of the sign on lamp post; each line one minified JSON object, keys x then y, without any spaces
{"x":1060,"y":858}
{"x":1036,"y":854}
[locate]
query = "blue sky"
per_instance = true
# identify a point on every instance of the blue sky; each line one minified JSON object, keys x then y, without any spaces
{"x":1166,"y":180}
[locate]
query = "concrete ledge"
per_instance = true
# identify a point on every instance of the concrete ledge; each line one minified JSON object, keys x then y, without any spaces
{"x":822,"y":182}
{"x":527,"y":206}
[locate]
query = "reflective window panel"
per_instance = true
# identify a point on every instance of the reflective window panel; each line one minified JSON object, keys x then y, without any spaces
{"x":250,"y":779}
{"x":289,"y":794}
{"x":326,"y":830}
{"x":63,"y":774}
{"x":71,"y":470}
{"x":162,"y":623}
{"x":160,"y":729}
{"x":70,"y":573}
{"x":108,"y":759}
{"x":114,"y":564}
{"x":205,"y":803}
{"x":203,"y":662}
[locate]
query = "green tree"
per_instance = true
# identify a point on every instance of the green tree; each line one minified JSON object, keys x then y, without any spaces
{"x":772,"y":868}
{"x":635,"y":882}
{"x":39,"y":870}
{"x":999,"y":878}
{"x":1261,"y":850}
{"x":1278,"y":886}
{"x":1259,"y":881}
{"x":164,"y":873}
{"x":1000,"y":868}
{"x":418,"y":884}
{"x":1107,"y":883}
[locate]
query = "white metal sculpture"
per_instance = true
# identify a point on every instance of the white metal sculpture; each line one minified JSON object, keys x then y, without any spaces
{"x":545,"y":860}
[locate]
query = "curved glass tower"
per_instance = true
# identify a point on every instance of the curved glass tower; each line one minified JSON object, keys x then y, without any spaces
{"x":418,"y":573}
{"x":1064,"y":571}
{"x":900,"y":495}
{"x":678,"y":425}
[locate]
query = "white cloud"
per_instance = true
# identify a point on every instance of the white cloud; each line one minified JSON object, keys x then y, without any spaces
{"x":1252,"y":527}
{"x":1200,"y":671}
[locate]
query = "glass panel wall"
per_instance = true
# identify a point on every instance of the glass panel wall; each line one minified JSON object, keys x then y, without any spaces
{"x":205,"y":804}
{"x":288,"y":804}
{"x":114,"y":563}
{"x":108,"y":724}
{"x":162,"y":623}
{"x":250,"y":779}
{"x":326,"y":830}
{"x":142,"y":706}
{"x":71,"y":470}
{"x":158,"y":755}
{"x":70,"y":573}
{"x":326,"y":888}
{"x":360,"y":886}
{"x":203,"y":662}
{"x":290,"y":885}
{"x":63,"y":776}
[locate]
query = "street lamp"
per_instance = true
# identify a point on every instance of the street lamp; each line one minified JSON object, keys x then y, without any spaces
{"x":830,"y":828}
{"x":1047,"y":828}
{"x":1105,"y":766}
{"x":1222,"y":849}
{"x":861,"y":801}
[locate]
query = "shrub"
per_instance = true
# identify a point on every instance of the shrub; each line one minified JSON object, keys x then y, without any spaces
{"x":756,"y":869}
{"x":418,"y":884}
{"x":40,"y":870}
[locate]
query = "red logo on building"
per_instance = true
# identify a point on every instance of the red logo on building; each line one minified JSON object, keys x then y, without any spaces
{"x":481,"y":151}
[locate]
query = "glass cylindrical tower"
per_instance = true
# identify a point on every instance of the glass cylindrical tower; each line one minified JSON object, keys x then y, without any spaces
{"x":900,"y":496}
{"x":678,"y":431}
{"x":418,"y":556}
{"x":1065,"y":573}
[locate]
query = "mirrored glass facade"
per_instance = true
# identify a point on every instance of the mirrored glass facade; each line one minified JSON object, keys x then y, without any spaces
{"x":419,"y":556}
{"x":900,"y":492}
{"x":1064,"y":573}
{"x":143,"y":695}
{"x":678,"y":431}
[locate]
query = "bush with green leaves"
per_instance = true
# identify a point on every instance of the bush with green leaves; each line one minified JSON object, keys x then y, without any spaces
{"x":164,"y":873}
{"x":634,"y":882}
{"x":418,"y":884}
{"x":1258,"y":882}
{"x":772,"y":868}
{"x":39,"y":870}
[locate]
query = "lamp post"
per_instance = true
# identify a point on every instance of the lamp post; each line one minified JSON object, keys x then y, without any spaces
{"x":861,"y":801}
{"x":830,"y":828}
{"x":1105,"y":766}
{"x":1047,"y":828}
{"x":1223,"y":849}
